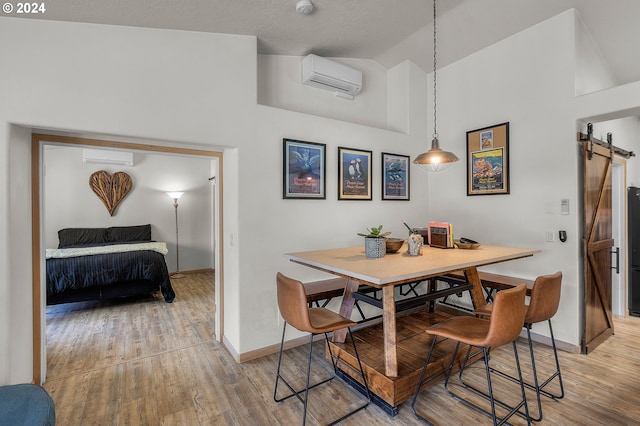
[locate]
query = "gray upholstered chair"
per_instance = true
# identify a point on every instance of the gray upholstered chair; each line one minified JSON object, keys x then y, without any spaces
{"x":26,"y":405}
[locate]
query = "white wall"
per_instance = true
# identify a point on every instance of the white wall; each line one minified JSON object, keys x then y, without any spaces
{"x":69,"y":202}
{"x":292,"y":225}
{"x":121,"y":81}
{"x":310,"y":224}
{"x":529,"y":80}
{"x":593,"y":77}
{"x":279,"y":85}
{"x":526,"y":80}
{"x":157,"y":85}
{"x":17,"y":264}
{"x":613,"y":110}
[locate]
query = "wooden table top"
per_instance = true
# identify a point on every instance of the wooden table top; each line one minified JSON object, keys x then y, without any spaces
{"x":399,"y":267}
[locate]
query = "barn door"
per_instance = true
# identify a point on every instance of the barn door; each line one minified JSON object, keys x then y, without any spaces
{"x":597,"y":161}
{"x":598,"y":242}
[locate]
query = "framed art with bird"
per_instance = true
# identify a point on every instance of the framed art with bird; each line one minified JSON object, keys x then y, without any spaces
{"x":304,"y":170}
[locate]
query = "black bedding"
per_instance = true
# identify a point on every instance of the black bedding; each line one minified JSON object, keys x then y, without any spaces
{"x":75,"y":273}
{"x":107,"y":275}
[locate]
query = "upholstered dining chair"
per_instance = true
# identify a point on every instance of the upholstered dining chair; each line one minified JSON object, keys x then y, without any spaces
{"x":292,"y":302}
{"x":502,"y":328}
{"x":543,"y":305}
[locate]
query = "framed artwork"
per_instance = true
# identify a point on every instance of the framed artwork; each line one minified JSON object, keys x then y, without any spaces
{"x":395,"y":176}
{"x":354,"y":174}
{"x":488,"y":160}
{"x":304,"y":174}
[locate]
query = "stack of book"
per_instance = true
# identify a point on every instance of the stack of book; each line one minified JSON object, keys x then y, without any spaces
{"x":440,"y":234}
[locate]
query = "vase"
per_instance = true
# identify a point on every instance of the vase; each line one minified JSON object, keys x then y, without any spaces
{"x":415,"y":245}
{"x":375,"y":247}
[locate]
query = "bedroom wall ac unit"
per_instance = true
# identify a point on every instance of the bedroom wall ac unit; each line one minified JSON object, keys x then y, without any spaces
{"x":101,"y":156}
{"x":326,"y":74}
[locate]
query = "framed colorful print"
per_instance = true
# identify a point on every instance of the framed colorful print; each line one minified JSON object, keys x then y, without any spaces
{"x":354,"y":174}
{"x":304,"y":170}
{"x":395,"y":177}
{"x":488,"y":160}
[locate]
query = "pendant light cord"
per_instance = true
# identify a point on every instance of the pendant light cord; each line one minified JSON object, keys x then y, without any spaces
{"x":435,"y":120}
{"x":435,"y":159}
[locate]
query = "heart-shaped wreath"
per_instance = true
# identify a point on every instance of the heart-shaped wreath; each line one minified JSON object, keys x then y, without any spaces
{"x":110,"y":189}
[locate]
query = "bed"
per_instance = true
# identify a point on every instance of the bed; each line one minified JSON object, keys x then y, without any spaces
{"x":105,"y":263}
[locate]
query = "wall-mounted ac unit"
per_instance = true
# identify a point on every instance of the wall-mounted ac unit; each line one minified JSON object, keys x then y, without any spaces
{"x":326,"y":74}
{"x":103,"y":156}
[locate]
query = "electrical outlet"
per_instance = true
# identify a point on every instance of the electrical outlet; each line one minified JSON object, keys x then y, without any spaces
{"x":549,"y":236}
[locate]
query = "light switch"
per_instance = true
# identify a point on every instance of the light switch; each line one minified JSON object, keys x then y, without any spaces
{"x":550,"y":236}
{"x":548,"y":207}
{"x":564,"y":206}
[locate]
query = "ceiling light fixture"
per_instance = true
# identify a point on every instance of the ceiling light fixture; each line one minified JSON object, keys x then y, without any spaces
{"x":435,"y":159}
{"x":304,"y":7}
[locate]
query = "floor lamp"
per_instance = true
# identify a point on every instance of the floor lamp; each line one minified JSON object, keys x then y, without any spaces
{"x":175,"y":196}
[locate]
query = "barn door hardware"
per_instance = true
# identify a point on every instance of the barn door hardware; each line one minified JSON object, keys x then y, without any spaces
{"x":617,"y":253}
{"x":588,"y":137}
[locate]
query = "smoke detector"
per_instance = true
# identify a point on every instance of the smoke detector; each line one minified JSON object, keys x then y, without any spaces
{"x":304,"y":7}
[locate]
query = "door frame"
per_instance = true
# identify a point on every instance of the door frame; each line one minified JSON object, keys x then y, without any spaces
{"x":589,"y":147}
{"x":619,"y":212}
{"x":38,"y":140}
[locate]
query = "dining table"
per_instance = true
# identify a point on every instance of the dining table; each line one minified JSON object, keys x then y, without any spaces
{"x":399,"y":268}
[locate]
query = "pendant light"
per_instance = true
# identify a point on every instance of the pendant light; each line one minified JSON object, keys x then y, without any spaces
{"x":435,"y":159}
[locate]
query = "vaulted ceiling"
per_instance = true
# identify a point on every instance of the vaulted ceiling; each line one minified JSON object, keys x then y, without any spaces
{"x":388,"y":31}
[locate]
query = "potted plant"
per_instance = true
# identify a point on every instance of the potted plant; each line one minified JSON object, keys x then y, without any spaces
{"x":375,"y":242}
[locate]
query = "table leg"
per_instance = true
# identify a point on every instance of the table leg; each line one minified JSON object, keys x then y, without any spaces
{"x":346,"y":308}
{"x":389,"y":329}
{"x":432,"y":285}
{"x":477,"y":295}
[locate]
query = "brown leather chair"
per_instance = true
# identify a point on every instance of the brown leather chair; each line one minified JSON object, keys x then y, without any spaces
{"x":292,"y":302}
{"x":503,"y":327}
{"x":543,"y":305}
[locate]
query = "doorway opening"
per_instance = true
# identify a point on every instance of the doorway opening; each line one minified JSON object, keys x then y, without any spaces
{"x":39,"y":141}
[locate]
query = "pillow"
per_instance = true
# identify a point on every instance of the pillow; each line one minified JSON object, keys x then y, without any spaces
{"x":119,"y":234}
{"x":73,"y":236}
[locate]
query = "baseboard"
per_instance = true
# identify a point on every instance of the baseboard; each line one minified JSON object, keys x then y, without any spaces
{"x":275,"y":348}
{"x":560,"y":345}
{"x":193,"y":271}
{"x":303,"y":340}
{"x":229,"y":347}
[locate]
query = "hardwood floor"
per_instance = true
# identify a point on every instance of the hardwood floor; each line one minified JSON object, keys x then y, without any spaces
{"x":145,"y":362}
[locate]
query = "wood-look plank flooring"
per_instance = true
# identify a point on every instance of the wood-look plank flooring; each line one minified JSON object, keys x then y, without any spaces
{"x":412,"y":345}
{"x":145,"y":362}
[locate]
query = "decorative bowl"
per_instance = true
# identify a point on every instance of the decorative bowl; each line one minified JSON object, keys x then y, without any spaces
{"x":467,"y":246}
{"x":394,"y":244}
